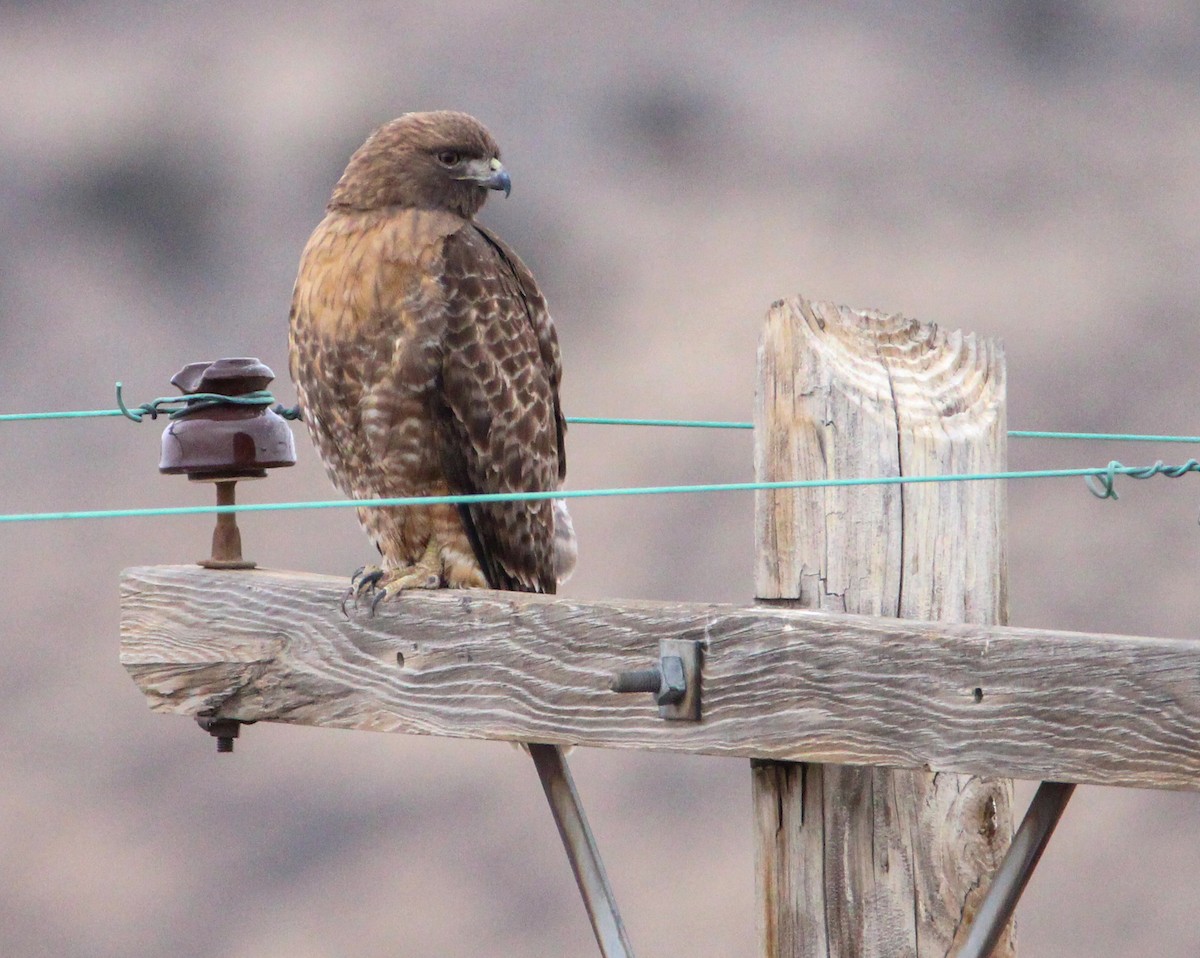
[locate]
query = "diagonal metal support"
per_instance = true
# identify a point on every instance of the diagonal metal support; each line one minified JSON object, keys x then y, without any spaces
{"x":1047,"y":807}
{"x":581,"y":851}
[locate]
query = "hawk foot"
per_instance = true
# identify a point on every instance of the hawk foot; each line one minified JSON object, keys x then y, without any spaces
{"x":380,"y":584}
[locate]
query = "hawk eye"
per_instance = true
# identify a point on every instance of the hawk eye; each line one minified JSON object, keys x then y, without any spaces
{"x":448,"y":158}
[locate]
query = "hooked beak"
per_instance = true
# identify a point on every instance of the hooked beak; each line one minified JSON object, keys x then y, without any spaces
{"x":488,"y":173}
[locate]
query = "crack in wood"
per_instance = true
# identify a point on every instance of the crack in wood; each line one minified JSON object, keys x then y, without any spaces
{"x":849,"y":391}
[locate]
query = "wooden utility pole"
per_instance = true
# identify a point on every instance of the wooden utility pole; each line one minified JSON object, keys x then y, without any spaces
{"x":861,"y":861}
{"x":862,"y":724}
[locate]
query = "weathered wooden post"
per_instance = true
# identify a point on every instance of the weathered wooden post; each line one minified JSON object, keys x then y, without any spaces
{"x":863,"y":861}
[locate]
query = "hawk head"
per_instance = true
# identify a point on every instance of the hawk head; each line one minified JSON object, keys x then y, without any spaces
{"x":434,"y":161}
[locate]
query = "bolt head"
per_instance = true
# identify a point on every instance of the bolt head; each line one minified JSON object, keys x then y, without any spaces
{"x":674,"y":681}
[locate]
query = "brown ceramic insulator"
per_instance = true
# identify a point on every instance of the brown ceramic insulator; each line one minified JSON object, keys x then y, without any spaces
{"x":225,"y":443}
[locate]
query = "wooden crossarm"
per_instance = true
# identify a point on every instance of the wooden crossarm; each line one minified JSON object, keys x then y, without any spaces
{"x":778,"y":683}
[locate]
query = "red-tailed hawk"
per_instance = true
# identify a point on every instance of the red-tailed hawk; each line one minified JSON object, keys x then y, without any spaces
{"x":426,"y":364}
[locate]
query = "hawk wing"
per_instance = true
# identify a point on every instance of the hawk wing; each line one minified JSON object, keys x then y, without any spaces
{"x":497,"y":419}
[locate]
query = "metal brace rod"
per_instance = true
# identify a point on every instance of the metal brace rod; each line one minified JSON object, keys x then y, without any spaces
{"x":581,"y":851}
{"x":1049,"y":802}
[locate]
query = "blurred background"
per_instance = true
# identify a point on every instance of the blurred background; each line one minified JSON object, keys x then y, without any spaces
{"x":1027,"y":170}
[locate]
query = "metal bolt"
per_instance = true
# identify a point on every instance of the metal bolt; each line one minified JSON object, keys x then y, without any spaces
{"x":638,"y":680}
{"x":674,"y":681}
{"x":668,"y":684}
{"x":224,"y":730}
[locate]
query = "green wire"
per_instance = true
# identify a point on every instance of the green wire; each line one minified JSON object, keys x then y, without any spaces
{"x":1105,"y":473}
{"x":77,"y":414}
{"x":686,"y":423}
{"x":1100,"y":480}
{"x":1012,"y":433}
{"x":671,"y":423}
{"x":1097,"y":436}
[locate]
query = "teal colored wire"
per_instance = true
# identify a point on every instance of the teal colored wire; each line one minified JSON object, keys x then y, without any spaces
{"x":684,"y":423}
{"x":1097,"y":436}
{"x":1012,"y":433}
{"x":1107,"y":472}
{"x":76,"y":414}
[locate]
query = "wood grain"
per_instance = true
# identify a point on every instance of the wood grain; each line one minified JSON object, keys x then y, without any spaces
{"x":873,"y":861}
{"x":778,"y":683}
